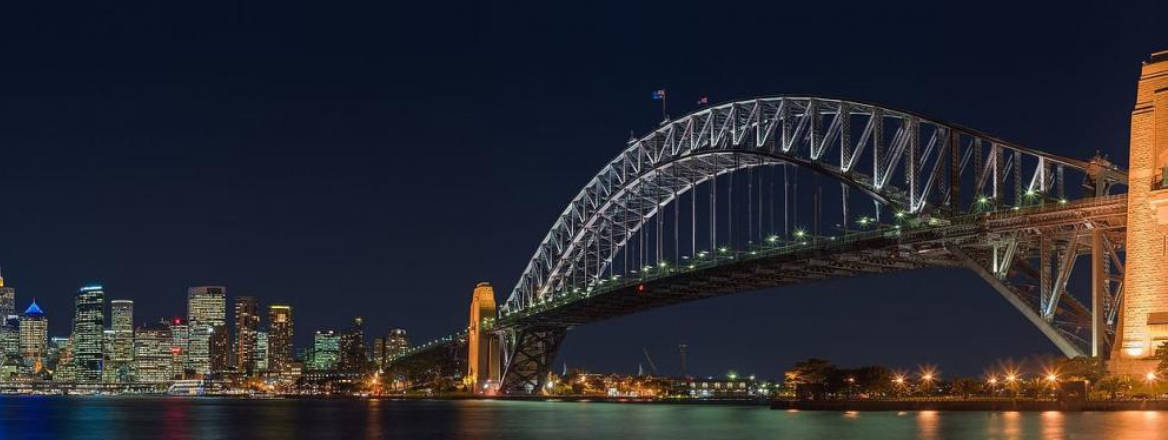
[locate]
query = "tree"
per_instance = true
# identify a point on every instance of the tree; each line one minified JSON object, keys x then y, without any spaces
{"x":810,"y":371}
{"x":1113,"y":384}
{"x":966,"y":386}
{"x":1081,"y":368}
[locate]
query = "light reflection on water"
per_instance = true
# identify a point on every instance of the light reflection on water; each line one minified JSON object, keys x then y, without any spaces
{"x":175,"y":418}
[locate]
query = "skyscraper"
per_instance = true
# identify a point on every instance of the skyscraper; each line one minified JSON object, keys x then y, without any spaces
{"x":7,"y":300}
{"x":180,"y":342}
{"x":34,"y":336}
{"x":122,"y":320}
{"x":379,"y":352}
{"x":247,"y":323}
{"x":351,"y":357}
{"x":279,"y":338}
{"x":88,"y":329}
{"x":396,"y":342}
{"x":325,"y":350}
{"x":207,"y":317}
{"x":153,"y":356}
{"x":261,"y":352}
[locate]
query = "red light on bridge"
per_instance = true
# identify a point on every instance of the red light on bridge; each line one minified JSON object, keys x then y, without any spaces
{"x":641,"y":288}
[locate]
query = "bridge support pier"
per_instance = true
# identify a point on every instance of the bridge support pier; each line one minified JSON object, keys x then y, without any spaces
{"x":532,"y":351}
{"x":1143,"y":317}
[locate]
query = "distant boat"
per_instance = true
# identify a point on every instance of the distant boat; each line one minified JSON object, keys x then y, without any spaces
{"x":187,"y":388}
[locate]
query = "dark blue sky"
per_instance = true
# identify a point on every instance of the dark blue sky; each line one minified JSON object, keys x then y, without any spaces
{"x":381,"y":160}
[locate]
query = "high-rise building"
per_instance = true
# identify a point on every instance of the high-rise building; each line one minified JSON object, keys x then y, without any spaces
{"x":180,"y":342}
{"x":153,"y":355}
{"x":207,"y":317}
{"x":396,"y":342}
{"x":247,"y":323}
{"x":9,"y":337}
{"x":34,"y":336}
{"x":379,"y":352}
{"x":7,"y":300}
{"x":122,"y":324}
{"x":325,"y":350}
{"x":351,"y":358}
{"x":279,"y":338}
{"x":9,"y":323}
{"x":88,"y":333}
{"x":261,"y":352}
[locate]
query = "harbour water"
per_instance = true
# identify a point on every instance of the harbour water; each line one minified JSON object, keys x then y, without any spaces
{"x":217,"y":418}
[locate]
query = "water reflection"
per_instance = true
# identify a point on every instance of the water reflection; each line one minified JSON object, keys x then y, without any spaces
{"x":68,"y":418}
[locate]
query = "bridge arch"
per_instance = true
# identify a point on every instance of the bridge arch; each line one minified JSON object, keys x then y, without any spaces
{"x":906,"y":163}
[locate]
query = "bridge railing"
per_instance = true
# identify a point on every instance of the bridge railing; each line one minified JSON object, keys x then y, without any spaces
{"x":771,"y":247}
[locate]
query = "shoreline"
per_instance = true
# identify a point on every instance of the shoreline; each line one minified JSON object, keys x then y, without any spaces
{"x":970,"y":405}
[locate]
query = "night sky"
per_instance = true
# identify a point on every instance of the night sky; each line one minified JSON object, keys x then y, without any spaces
{"x":379,"y":161}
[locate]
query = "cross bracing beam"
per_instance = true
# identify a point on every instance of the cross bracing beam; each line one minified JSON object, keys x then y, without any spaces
{"x":654,"y":170}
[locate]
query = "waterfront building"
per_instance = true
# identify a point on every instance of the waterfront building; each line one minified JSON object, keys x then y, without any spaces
{"x":326,"y":346}
{"x":280,"y":338}
{"x":153,"y":356}
{"x":180,"y":337}
{"x":207,"y":318}
{"x":261,"y":352}
{"x":396,"y":342}
{"x":34,"y":337}
{"x":88,"y":333}
{"x":351,"y":355}
{"x":247,"y":323}
{"x":122,"y":324}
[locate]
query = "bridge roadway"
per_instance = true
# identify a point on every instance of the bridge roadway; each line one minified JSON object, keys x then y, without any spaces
{"x":969,"y":241}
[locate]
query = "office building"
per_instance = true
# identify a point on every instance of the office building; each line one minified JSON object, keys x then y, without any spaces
{"x":88,"y":333}
{"x":279,"y":338}
{"x":247,"y":323}
{"x":326,"y":345}
{"x":34,"y":337}
{"x":207,"y":318}
{"x":153,"y":355}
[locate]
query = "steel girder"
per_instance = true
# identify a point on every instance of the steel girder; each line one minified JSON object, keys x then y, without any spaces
{"x":898,"y":158}
{"x":530,"y":355}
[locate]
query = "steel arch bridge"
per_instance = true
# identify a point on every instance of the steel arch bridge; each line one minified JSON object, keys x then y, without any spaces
{"x":684,"y":213}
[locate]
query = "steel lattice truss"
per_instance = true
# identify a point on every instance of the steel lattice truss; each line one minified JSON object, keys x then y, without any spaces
{"x":917,"y":165}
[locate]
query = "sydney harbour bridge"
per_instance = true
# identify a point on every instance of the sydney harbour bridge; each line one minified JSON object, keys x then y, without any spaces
{"x":774,"y":191}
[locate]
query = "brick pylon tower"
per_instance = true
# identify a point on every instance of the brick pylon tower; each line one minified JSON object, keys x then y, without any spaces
{"x":1143,"y":319}
{"x":483,"y":358}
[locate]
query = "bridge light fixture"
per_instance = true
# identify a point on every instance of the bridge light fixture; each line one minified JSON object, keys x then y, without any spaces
{"x":1150,"y":377}
{"x":983,"y":200}
{"x":772,"y":239}
{"x":1062,"y":201}
{"x":899,"y":214}
{"x":663,"y":264}
{"x":800,"y":233}
{"x":1051,"y":377}
{"x":1011,"y":377}
{"x":691,"y":266}
{"x":1016,"y":208}
{"x":993,"y":381}
{"x":1030,"y":193}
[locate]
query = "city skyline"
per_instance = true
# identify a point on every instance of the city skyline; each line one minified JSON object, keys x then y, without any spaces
{"x":268,"y":161}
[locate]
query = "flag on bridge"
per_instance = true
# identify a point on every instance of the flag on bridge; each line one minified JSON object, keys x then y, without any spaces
{"x":659,"y":95}
{"x":704,"y":100}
